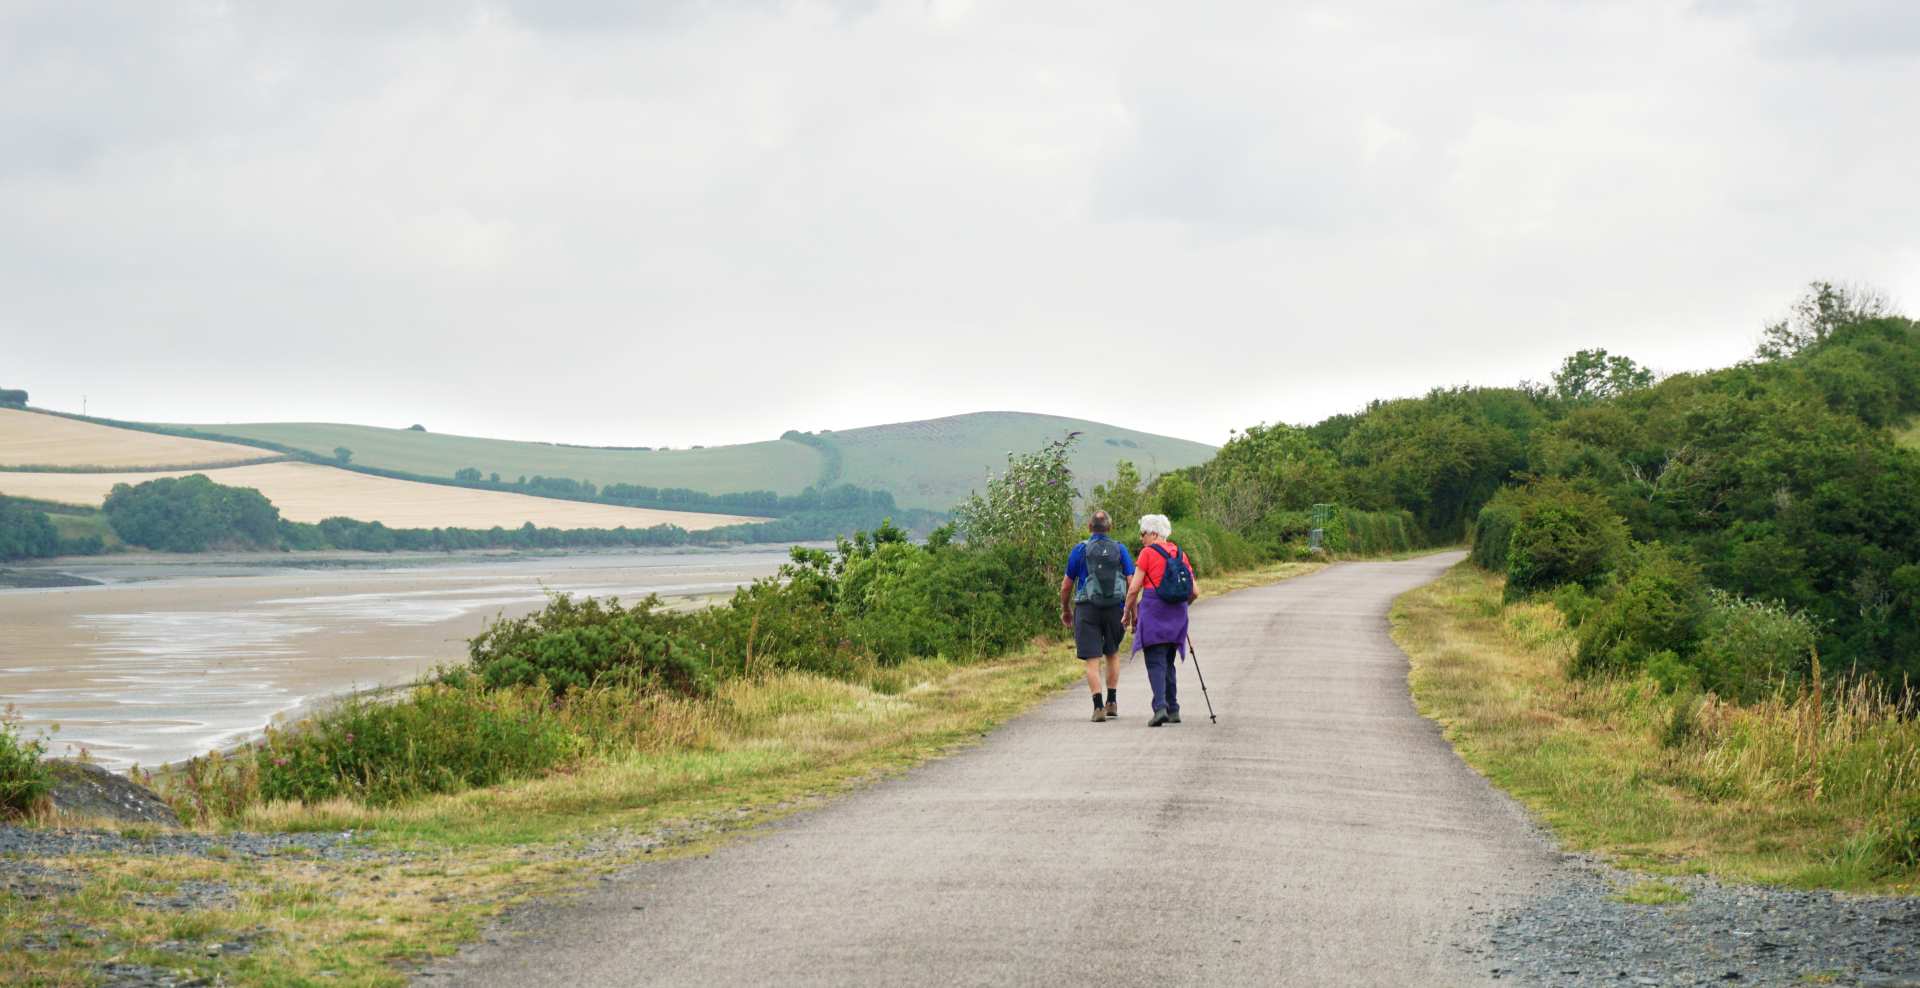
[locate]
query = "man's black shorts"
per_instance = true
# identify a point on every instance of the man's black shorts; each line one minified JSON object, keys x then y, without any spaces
{"x":1097,"y":630}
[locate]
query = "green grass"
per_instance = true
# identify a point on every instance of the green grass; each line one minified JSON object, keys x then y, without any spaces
{"x":79,"y":526}
{"x":1908,"y":435}
{"x":931,"y":464}
{"x":1653,"y":894}
{"x":1812,"y":791}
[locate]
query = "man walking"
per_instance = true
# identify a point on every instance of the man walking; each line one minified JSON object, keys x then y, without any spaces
{"x":1157,"y":599}
{"x":1093,"y":598}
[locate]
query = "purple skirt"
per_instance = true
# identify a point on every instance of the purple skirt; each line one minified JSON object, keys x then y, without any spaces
{"x":1160,"y":623}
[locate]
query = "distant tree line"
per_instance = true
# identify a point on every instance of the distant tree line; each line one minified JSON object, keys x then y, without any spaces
{"x":13,"y":396}
{"x":195,"y":514}
{"x":832,"y":461}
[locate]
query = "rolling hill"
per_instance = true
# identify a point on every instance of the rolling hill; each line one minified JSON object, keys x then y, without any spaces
{"x":929,"y":464}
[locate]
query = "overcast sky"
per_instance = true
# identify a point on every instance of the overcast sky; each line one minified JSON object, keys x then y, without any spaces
{"x":714,"y":221}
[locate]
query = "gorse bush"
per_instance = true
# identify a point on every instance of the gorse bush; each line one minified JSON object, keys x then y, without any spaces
{"x":1748,"y":648}
{"x":1560,"y":535}
{"x":572,"y":644}
{"x":1493,"y":533}
{"x":24,"y":778}
{"x":1658,"y":607}
{"x":438,"y":738}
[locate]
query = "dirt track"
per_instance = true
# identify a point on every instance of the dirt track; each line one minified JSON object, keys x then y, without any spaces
{"x":1321,"y":833}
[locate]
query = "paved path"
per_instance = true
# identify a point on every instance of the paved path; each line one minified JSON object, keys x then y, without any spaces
{"x":1322,"y":833}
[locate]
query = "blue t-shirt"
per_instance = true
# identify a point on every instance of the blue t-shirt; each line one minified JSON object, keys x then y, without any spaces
{"x":1077,"y":562}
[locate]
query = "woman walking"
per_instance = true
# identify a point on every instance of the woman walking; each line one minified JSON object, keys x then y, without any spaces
{"x":1162,"y":587}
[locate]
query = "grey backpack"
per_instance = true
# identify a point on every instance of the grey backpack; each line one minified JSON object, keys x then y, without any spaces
{"x":1105,"y":584}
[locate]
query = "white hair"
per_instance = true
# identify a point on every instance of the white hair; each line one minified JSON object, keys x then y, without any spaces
{"x":1157,"y":524}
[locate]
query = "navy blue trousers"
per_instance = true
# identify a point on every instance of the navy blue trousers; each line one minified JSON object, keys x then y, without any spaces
{"x":1161,"y":675}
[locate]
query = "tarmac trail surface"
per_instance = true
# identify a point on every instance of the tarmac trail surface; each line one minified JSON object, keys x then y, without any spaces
{"x":1321,"y":833}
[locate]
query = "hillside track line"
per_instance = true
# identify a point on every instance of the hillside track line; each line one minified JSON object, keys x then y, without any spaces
{"x":1321,"y":833}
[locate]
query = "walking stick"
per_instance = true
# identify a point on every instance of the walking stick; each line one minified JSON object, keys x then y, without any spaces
{"x":1203,"y":679}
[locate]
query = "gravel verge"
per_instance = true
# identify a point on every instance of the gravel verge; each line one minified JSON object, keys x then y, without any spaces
{"x":1579,"y":933}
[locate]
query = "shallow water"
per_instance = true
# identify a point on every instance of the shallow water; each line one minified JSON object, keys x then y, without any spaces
{"x":169,"y":661}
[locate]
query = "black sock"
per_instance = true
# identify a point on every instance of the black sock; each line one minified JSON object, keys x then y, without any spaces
{"x":1112,"y":695}
{"x":1097,"y":705}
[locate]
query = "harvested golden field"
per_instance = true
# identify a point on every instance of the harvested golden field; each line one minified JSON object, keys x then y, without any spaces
{"x":309,"y":492}
{"x":31,"y":439}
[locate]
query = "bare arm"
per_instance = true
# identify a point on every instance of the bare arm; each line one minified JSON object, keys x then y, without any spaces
{"x":1066,"y":601}
{"x":1132,"y":611}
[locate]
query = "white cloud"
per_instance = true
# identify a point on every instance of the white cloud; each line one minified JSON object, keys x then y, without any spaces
{"x":706,"y":221}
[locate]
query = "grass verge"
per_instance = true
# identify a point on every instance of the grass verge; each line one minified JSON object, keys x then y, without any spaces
{"x":1803,"y":791}
{"x":702,"y":771}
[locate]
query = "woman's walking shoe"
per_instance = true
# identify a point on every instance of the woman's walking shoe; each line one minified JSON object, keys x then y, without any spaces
{"x":1173,"y":716}
{"x":1159,"y":717}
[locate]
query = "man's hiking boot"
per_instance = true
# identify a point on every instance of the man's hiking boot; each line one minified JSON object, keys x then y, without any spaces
{"x":1113,"y":710}
{"x":1099,"y":715}
{"x":1159,"y":717}
{"x":1173,"y":716}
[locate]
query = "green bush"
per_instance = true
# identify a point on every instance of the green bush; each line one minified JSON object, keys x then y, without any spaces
{"x":26,"y":533}
{"x":1658,"y":607}
{"x":1212,"y":546}
{"x":439,"y":738}
{"x":1750,"y":647}
{"x":1575,"y":602}
{"x":1493,"y":533}
{"x":571,"y":644}
{"x":1561,"y":535}
{"x":23,"y":775}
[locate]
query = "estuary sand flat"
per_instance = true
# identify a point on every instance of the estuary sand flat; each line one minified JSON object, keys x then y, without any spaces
{"x":310,"y":492}
{"x":31,"y":439}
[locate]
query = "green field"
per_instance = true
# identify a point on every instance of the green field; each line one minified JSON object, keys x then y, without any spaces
{"x":81,"y":526}
{"x":931,"y":464}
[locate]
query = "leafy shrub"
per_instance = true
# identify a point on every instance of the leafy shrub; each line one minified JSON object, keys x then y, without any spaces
{"x":1030,"y":506}
{"x":1749,"y":647}
{"x":439,"y":738}
{"x":23,"y":775}
{"x":1575,"y":602}
{"x":1175,"y":496}
{"x":1213,"y":547}
{"x":1561,"y":535}
{"x":1658,"y":607}
{"x":26,"y":533}
{"x":571,"y":644}
{"x":1493,"y":533}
